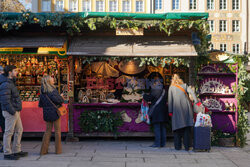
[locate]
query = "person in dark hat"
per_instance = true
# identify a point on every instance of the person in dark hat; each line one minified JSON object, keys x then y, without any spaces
{"x":157,"y":109}
{"x":11,"y":105}
{"x":2,"y":121}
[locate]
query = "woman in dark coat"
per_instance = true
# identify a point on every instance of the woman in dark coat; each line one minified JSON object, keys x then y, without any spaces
{"x":157,"y":100}
{"x":180,"y":108}
{"x":49,"y":95}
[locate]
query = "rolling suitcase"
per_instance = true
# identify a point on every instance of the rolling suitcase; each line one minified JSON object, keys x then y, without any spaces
{"x":202,"y":139}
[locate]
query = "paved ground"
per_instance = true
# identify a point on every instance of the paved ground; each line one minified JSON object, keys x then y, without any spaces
{"x":130,"y":153}
{"x":116,"y":153}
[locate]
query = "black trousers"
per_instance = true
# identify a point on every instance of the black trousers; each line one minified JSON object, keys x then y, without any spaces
{"x":185,"y":134}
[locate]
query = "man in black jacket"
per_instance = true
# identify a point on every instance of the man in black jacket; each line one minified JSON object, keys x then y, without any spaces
{"x":11,"y":106}
{"x":2,"y":122}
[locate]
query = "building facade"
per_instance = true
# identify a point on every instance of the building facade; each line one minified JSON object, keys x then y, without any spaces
{"x":163,"y":6}
{"x":133,"y":6}
{"x":227,"y":24}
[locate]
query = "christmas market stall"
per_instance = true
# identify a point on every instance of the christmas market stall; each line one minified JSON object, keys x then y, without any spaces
{"x":102,"y":63}
{"x":113,"y":68}
{"x":35,"y":56}
{"x":221,"y":86}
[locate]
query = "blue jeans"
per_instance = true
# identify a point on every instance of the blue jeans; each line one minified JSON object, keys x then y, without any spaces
{"x":160,"y":134}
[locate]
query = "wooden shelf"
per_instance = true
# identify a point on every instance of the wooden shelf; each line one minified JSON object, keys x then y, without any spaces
{"x":29,"y":85}
{"x":217,"y":74}
{"x":232,"y":112}
{"x":217,"y":94}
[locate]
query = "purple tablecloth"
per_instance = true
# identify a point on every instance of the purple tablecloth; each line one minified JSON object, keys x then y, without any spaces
{"x":132,"y":110}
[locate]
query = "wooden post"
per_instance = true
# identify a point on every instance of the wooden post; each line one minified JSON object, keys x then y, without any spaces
{"x":192,"y":73}
{"x":70,"y":135}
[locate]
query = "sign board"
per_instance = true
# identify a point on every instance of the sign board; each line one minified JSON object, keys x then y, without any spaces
{"x":11,"y":49}
{"x":129,"y":32}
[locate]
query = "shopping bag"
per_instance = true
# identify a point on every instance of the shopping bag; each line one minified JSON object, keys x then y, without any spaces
{"x":203,"y":120}
{"x":144,"y":112}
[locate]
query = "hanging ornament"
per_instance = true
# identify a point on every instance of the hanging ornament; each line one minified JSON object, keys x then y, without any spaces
{"x":26,"y":15}
{"x":48,"y":22}
{"x":36,"y":20}
{"x":5,"y":26}
{"x":19,"y":23}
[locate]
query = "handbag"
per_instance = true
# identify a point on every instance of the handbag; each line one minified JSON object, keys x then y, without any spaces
{"x":151,"y":109}
{"x":60,"y":110}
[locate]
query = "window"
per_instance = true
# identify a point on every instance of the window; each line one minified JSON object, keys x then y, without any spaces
{"x":59,"y":6}
{"x":236,"y":4}
{"x":46,"y":5}
{"x":126,"y":6}
{"x":223,"y":26}
{"x":139,"y":6}
{"x":176,"y":4}
{"x":86,"y":5}
{"x":210,"y":4}
{"x":192,"y":4}
{"x":223,"y":4}
{"x":211,"y":46}
{"x":100,"y":6}
{"x":223,"y":47}
{"x":211,"y":25}
{"x":73,"y":5}
{"x":236,"y":25}
{"x":158,"y":4}
{"x":236,"y":48}
{"x":113,"y":6}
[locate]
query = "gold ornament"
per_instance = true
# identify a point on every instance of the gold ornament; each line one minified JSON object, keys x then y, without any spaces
{"x":19,"y":23}
{"x":48,"y":22}
{"x":26,"y":15}
{"x":5,"y":26}
{"x":36,"y":20}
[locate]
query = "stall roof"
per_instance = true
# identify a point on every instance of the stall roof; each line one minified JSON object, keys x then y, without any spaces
{"x":132,"y":46}
{"x":132,"y":16}
{"x":32,"y":41}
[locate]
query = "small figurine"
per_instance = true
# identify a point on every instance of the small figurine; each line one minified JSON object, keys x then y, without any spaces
{"x":234,"y":107}
{"x":227,"y":90}
{"x":227,"y":106}
{"x":223,"y":89}
{"x":231,"y":106}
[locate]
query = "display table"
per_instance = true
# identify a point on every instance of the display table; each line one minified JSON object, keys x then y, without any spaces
{"x":32,"y":118}
{"x":132,"y":110}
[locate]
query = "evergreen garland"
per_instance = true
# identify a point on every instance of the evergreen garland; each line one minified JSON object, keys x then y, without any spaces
{"x":73,"y":24}
{"x":242,"y":91}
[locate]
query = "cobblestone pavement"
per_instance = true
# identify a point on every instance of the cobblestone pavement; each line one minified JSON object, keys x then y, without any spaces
{"x":121,"y":153}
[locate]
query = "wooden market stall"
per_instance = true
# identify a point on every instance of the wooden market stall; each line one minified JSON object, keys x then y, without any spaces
{"x":104,"y":85}
{"x":34,"y":56}
{"x":218,"y":83}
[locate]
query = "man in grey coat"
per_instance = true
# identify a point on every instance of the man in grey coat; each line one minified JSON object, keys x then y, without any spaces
{"x":180,"y":108}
